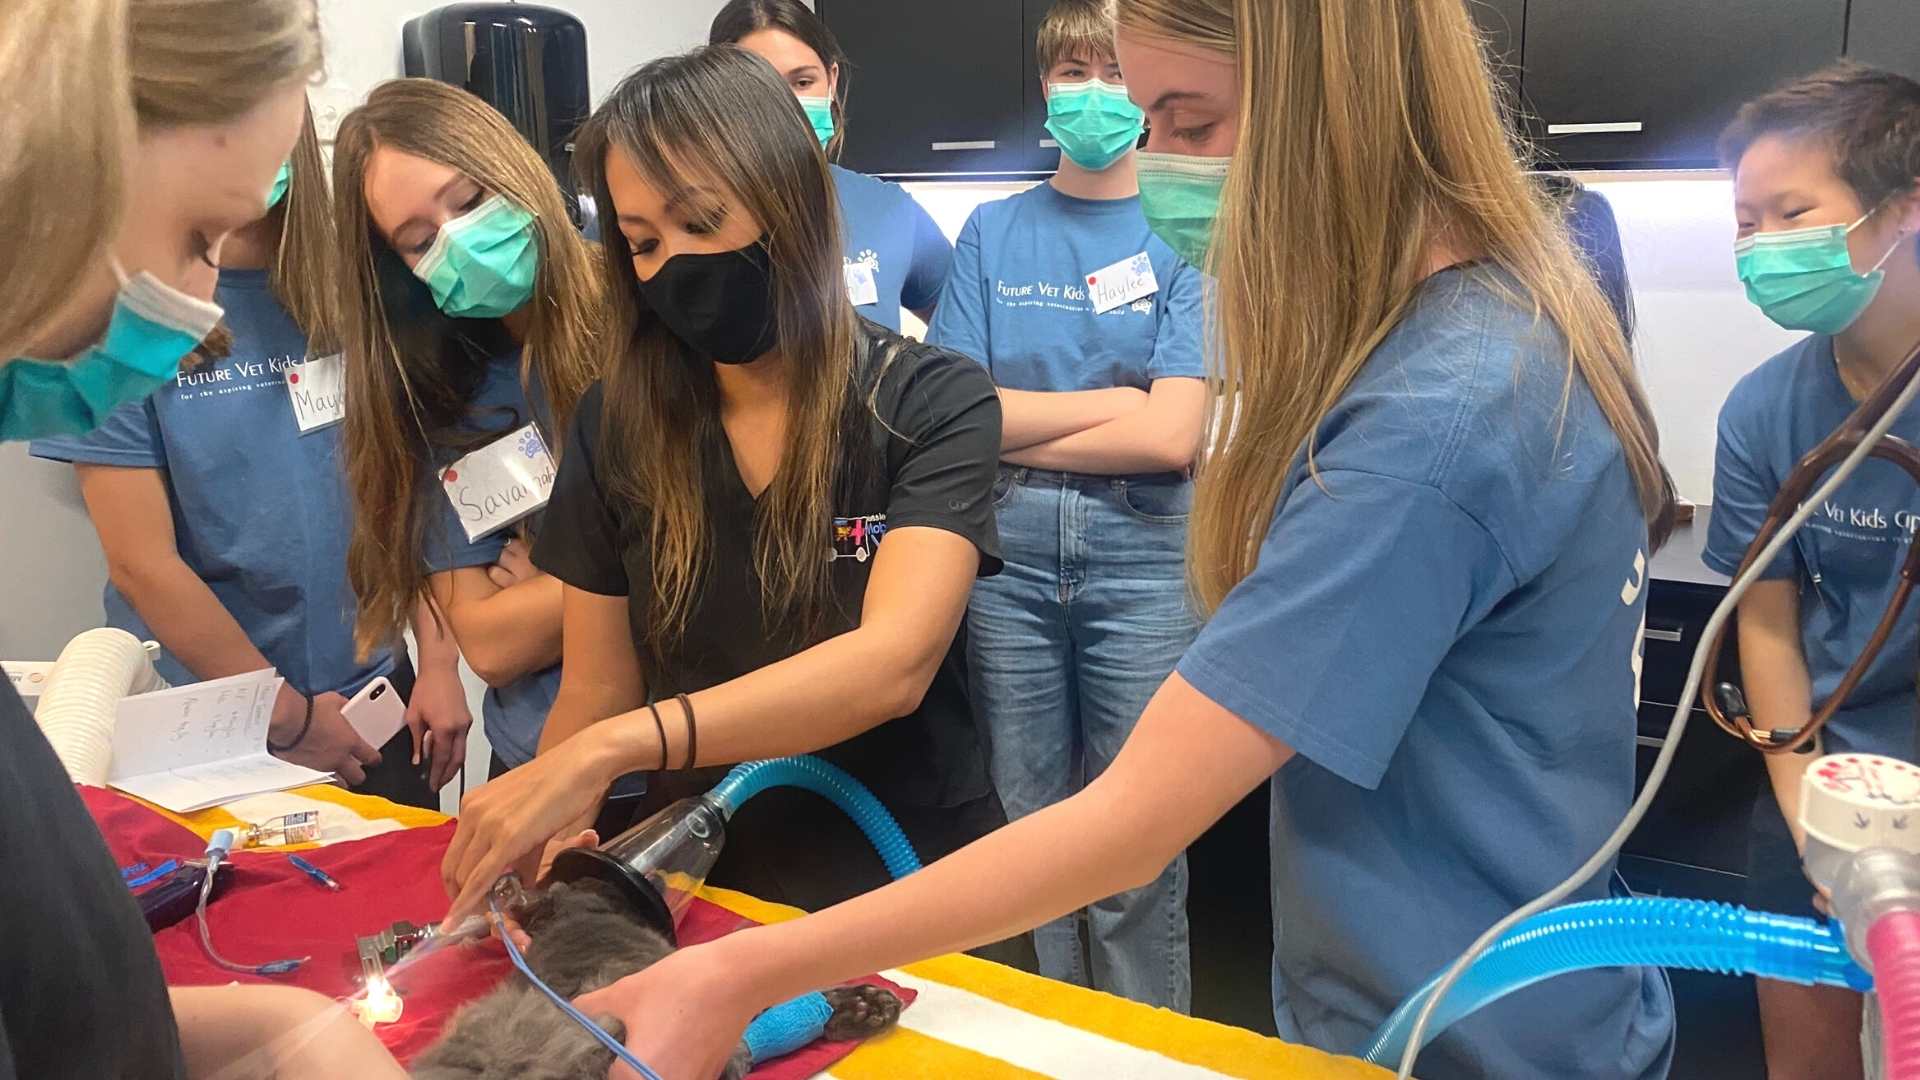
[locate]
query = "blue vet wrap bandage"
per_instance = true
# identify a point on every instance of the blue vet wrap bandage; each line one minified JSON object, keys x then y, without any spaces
{"x":787,"y":1027}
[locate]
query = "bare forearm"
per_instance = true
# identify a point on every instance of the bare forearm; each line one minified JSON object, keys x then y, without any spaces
{"x":1161,"y":436}
{"x":1779,"y":691}
{"x":432,"y":639}
{"x":188,"y":619}
{"x":509,"y":632}
{"x":1029,"y":417}
{"x":1118,"y":446}
{"x":576,"y":708}
{"x":277,"y":1031}
{"x":1064,"y":857}
{"x":795,"y":706}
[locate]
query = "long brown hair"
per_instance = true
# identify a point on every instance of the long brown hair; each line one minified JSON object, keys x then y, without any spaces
{"x":411,"y":370}
{"x":724,"y":112}
{"x":743,"y":17}
{"x":302,"y":276}
{"x":1369,"y":129}
{"x":83,"y":78}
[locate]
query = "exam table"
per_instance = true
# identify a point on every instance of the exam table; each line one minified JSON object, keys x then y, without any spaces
{"x":967,"y":1017}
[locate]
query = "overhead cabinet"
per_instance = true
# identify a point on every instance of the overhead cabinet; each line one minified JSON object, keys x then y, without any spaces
{"x":1886,"y":33}
{"x":1654,"y":81}
{"x":935,"y":87}
{"x":948,"y":88}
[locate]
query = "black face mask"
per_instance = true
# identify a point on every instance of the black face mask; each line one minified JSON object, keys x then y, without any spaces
{"x":719,"y":305}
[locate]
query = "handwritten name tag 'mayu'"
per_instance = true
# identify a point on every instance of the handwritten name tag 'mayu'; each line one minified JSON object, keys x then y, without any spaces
{"x":1122,"y":283}
{"x":318,"y":390}
{"x":500,"y":483}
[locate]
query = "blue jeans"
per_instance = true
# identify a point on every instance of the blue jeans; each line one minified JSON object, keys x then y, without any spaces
{"x":1065,"y":647}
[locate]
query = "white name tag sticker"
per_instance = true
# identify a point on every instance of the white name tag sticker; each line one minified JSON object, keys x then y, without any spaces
{"x":1122,"y":283}
{"x":318,"y":390}
{"x":500,"y":483}
{"x":861,"y":288}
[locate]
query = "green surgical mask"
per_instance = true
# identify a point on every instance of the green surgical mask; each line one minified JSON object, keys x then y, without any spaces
{"x":482,"y":264}
{"x":1803,"y":279}
{"x":153,"y":327}
{"x":281,"y":181}
{"x":820,"y":115}
{"x":1180,"y":196}
{"x":1093,"y":121}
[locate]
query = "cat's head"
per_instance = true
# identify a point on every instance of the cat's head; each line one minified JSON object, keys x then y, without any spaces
{"x":583,"y":897}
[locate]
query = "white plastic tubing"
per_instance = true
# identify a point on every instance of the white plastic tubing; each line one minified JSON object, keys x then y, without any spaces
{"x":83,"y":694}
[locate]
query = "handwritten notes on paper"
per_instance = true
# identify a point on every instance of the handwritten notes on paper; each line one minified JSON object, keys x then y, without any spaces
{"x":201,"y":745}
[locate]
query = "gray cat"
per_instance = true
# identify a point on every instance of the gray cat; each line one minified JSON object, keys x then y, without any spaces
{"x":584,"y":937}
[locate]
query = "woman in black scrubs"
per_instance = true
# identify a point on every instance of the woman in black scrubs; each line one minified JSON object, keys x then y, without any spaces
{"x":769,"y":516}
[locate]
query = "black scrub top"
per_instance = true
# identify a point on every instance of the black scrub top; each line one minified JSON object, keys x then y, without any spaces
{"x":926,"y":457}
{"x":81,"y":993}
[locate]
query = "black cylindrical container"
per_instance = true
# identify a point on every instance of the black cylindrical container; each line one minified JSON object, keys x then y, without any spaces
{"x":527,"y":61}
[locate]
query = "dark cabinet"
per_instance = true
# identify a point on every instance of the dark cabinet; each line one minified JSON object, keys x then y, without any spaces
{"x":1654,"y":81}
{"x":1886,"y":34}
{"x":936,"y":88}
{"x":1503,"y":23}
{"x":1037,"y":151}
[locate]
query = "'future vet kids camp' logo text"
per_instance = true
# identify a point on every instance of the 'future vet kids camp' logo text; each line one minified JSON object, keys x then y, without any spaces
{"x":1865,"y":523}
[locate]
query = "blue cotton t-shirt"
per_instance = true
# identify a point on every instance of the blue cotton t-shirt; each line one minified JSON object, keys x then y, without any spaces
{"x":1846,"y":558}
{"x":896,"y":238}
{"x":1017,"y":299}
{"x":513,"y":714}
{"x":260,"y":511}
{"x":1446,"y":629}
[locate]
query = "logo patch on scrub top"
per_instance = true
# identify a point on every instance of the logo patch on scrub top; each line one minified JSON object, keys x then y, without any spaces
{"x":856,"y":537}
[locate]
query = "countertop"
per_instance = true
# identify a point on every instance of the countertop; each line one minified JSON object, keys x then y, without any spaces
{"x":1679,"y":561}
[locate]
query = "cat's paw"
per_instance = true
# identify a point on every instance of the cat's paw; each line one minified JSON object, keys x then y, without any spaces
{"x":739,"y":1065}
{"x":860,"y":1012}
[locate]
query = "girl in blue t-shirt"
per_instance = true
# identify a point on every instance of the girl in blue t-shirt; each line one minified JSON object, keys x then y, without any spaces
{"x":896,"y":257}
{"x":1421,"y":533}
{"x":1825,"y":172}
{"x":253,"y":570}
{"x":471,"y":316}
{"x":1091,"y":328}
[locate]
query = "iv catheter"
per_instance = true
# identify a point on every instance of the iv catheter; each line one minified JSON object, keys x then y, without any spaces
{"x":218,"y":848}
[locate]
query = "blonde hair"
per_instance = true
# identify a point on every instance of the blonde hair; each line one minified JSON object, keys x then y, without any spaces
{"x":1369,"y":130}
{"x":1074,"y":27}
{"x":410,"y":369}
{"x":725,"y":113}
{"x":82,"y":77}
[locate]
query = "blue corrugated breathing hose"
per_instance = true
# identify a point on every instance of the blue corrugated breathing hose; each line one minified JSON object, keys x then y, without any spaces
{"x":1696,"y":935}
{"x":828,"y":781}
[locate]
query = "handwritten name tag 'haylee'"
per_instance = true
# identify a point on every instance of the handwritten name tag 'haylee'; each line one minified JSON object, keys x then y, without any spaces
{"x":500,"y":483}
{"x":1122,"y":283}
{"x":318,"y":390}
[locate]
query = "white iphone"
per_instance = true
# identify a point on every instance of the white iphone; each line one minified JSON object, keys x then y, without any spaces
{"x":376,"y":712}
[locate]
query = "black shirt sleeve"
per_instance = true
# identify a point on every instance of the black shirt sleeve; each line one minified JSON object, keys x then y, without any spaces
{"x":579,"y":540}
{"x":944,"y":452}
